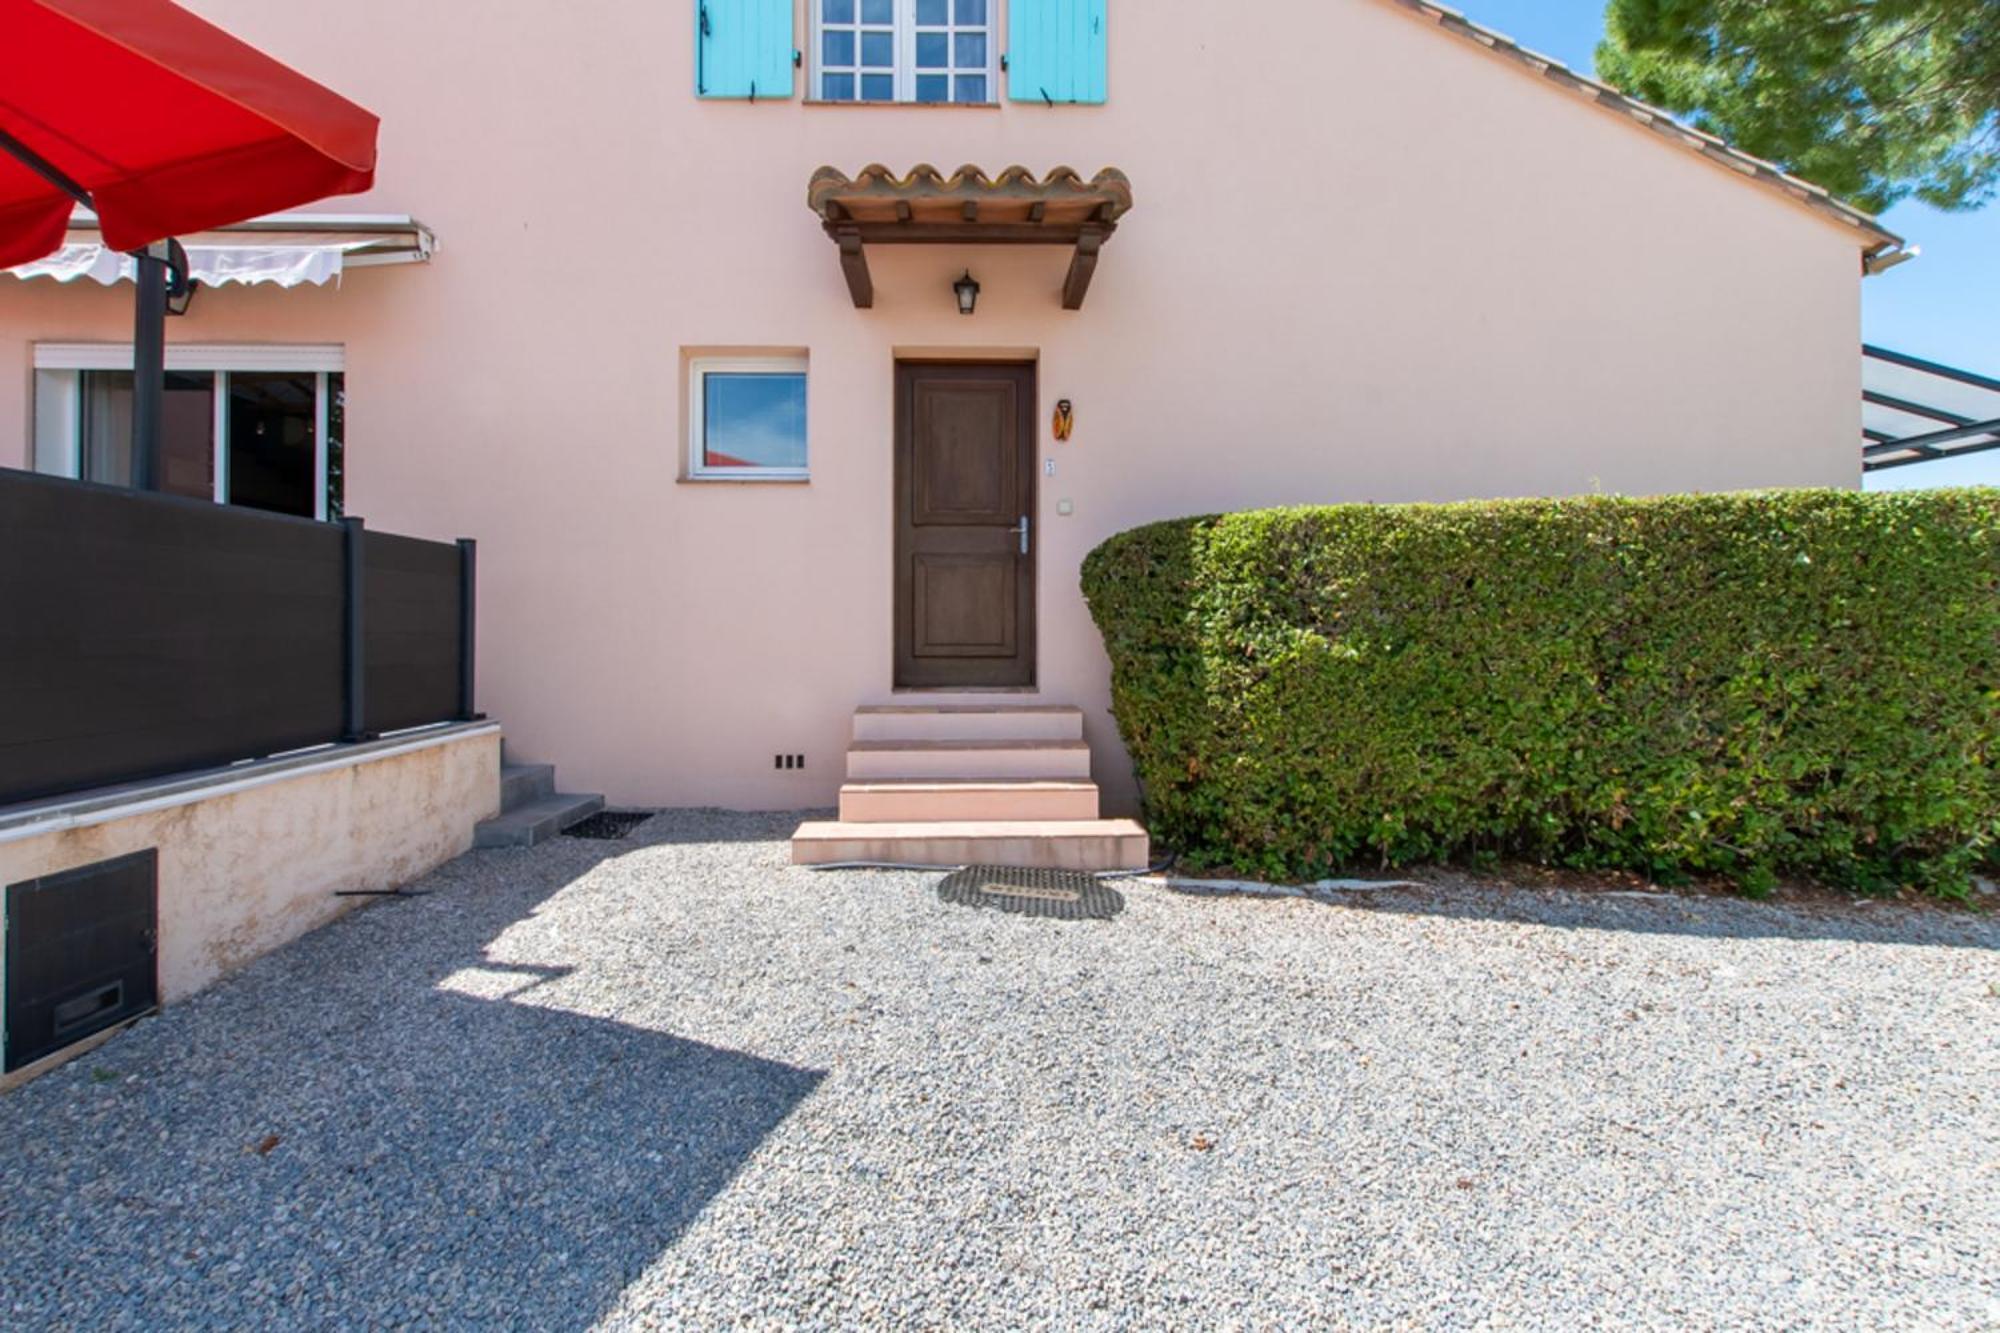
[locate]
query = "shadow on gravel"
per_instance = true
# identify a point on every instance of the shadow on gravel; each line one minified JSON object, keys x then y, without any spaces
{"x":1690,"y":914}
{"x":342,"y":1136}
{"x":721,"y":827}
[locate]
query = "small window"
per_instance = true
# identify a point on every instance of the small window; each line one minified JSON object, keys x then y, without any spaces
{"x":904,"y":51}
{"x":747,"y":418}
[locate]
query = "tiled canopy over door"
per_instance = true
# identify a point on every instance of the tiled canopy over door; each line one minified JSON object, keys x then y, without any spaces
{"x":1056,"y":51}
{"x":743,"y":48}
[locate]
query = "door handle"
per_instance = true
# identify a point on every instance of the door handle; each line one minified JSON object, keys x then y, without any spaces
{"x":1022,"y":530}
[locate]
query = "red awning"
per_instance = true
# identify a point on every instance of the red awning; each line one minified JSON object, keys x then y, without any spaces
{"x":169,"y":123}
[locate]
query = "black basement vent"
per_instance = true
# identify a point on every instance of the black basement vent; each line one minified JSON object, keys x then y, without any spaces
{"x":82,"y":953}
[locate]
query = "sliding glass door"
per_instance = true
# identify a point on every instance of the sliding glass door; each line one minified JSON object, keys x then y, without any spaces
{"x":265,"y":438}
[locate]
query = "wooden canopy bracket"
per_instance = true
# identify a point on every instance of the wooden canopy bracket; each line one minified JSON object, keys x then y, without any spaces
{"x":854,"y":264}
{"x":1083,"y":264}
{"x":853,"y":239}
{"x":969,"y":208}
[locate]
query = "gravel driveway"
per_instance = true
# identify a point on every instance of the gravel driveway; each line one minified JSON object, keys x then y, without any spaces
{"x":674,"y":1081}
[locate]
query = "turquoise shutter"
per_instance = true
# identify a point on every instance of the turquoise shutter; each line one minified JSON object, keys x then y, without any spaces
{"x":743,"y":48}
{"x":1056,"y":51}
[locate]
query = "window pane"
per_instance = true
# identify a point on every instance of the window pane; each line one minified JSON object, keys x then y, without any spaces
{"x":933,"y":88}
{"x":838,"y":11}
{"x":187,"y":431}
{"x":837,"y":47}
{"x":878,"y":50}
{"x":336,"y":444}
{"x":837,"y":87}
{"x":878,"y":11}
{"x":972,"y":11}
{"x":56,"y":421}
{"x":933,"y":12}
{"x":971,"y":50}
{"x":187,"y":435}
{"x":271,"y":461}
{"x":972,"y":88}
{"x":878,"y":87}
{"x":933,"y":51}
{"x":107,"y":427}
{"x":753,"y":420}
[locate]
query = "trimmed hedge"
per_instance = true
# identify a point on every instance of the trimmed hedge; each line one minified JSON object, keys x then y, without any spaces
{"x":1797,"y":683}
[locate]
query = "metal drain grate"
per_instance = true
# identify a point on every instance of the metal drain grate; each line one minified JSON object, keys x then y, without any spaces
{"x":608,"y":825}
{"x":1064,"y":895}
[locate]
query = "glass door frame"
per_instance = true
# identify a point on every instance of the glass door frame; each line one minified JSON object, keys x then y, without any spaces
{"x":320,"y":360}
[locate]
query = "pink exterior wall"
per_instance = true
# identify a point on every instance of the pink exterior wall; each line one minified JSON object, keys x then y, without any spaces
{"x":1394,"y":269}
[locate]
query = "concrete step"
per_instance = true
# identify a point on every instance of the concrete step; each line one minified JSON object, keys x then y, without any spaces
{"x":1069,"y":844}
{"x":536,"y":821}
{"x":522,"y":783}
{"x":869,"y":760}
{"x":919,"y":800}
{"x":969,"y":722}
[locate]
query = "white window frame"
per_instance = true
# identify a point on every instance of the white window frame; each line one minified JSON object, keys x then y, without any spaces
{"x":906,"y":56}
{"x":699,"y":368}
{"x":218,"y":359}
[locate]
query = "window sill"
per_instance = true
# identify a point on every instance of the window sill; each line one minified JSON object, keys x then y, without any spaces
{"x":910,"y":106}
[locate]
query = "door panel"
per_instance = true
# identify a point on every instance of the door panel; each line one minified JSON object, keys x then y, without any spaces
{"x":960,"y":475}
{"x":964,"y":606}
{"x":965,"y":479}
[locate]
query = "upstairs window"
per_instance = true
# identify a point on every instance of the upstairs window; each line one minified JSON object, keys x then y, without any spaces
{"x":925,"y":51}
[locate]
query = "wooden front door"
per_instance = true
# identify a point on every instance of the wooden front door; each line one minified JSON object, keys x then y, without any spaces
{"x":965,"y":503}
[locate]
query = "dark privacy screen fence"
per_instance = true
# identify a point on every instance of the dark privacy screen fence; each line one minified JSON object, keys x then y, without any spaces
{"x":145,"y":634}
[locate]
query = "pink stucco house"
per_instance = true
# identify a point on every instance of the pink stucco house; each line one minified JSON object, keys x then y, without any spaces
{"x":745,"y":451}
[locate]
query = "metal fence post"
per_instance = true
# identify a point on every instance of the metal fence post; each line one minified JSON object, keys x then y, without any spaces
{"x":468,"y":618}
{"x":354,"y":676}
{"x":149,"y":353}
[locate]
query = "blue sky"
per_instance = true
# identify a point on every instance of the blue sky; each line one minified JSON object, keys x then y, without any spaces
{"x":1940,"y":306}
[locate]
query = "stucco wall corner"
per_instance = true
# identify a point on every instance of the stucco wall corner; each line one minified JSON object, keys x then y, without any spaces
{"x":258,"y":864}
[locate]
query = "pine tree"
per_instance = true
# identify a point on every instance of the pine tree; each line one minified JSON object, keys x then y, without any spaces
{"x":1877,"y":100}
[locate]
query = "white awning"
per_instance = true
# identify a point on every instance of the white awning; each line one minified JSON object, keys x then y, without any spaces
{"x":284,"y":249}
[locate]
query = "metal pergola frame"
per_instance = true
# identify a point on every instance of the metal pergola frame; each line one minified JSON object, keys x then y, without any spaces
{"x":1957,"y":436}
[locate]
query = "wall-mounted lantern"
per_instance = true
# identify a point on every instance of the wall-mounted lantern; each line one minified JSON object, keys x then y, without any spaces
{"x":968,"y":293}
{"x":180,"y":282}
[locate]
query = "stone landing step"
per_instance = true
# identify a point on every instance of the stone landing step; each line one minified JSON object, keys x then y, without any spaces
{"x":1059,"y":844}
{"x":522,"y":783}
{"x":970,"y":722}
{"x":920,"y":800}
{"x":537,"y":820}
{"x":1018,"y":760}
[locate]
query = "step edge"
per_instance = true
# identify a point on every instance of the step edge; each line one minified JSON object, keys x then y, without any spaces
{"x":955,"y":746}
{"x":963,"y":710}
{"x":554,"y":800}
{"x":908,"y":786}
{"x":582,"y":804}
{"x":829,"y":829}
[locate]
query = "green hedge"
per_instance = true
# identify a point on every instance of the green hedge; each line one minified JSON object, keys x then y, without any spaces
{"x":1797,"y":683}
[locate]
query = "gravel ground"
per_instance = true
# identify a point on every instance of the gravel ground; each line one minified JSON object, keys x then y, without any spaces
{"x":673,"y":1081}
